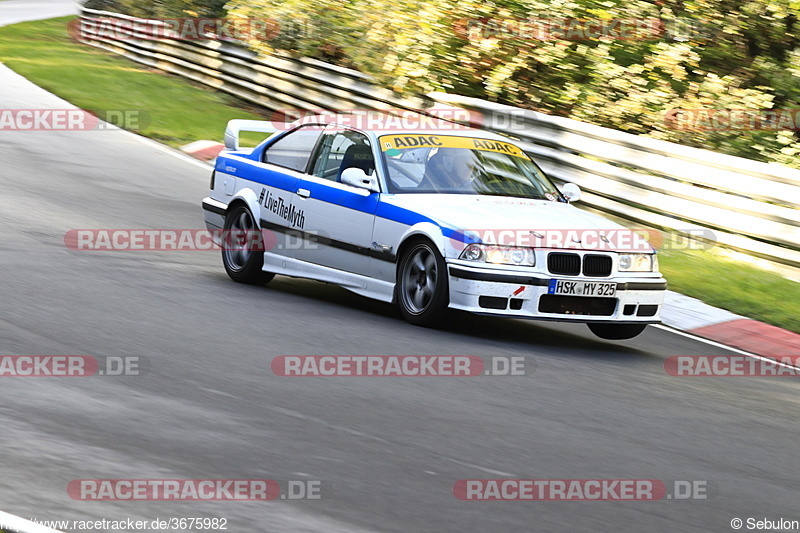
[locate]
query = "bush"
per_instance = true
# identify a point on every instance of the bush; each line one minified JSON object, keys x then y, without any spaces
{"x":696,"y":54}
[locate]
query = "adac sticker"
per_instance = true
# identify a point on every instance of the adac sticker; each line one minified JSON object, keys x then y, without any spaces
{"x":391,"y":143}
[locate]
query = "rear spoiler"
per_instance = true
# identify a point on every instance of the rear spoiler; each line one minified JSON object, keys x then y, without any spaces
{"x":235,"y":127}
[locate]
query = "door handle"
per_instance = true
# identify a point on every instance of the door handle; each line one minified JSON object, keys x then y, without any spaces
{"x":305,"y":193}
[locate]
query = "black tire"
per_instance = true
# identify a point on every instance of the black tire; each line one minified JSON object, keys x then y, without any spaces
{"x":616,"y":332}
{"x":243,"y":253}
{"x":423,"y":291}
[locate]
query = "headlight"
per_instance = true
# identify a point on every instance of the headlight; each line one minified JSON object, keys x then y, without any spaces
{"x":501,"y":255}
{"x":637,"y":263}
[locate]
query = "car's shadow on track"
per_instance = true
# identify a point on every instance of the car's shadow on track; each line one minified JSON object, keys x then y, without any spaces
{"x":571,"y":340}
{"x":574,"y":340}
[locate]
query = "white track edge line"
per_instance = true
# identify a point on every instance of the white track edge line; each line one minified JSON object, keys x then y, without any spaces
{"x":168,"y":150}
{"x":721,"y":345}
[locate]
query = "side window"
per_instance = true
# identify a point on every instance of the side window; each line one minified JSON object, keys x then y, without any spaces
{"x":340,"y":150}
{"x":294,"y":150}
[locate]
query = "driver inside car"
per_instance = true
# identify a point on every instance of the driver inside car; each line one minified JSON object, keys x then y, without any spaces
{"x":450,"y":169}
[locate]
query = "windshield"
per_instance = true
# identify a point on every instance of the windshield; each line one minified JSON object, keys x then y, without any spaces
{"x":462,"y":165}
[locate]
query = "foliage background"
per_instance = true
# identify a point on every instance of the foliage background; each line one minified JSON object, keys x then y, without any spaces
{"x":718,"y":54}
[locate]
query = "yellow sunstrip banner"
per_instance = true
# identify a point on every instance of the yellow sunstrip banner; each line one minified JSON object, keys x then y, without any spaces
{"x":400,"y":142}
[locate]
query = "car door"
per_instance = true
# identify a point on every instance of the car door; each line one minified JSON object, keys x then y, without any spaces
{"x":339,"y":217}
{"x":283,"y":164}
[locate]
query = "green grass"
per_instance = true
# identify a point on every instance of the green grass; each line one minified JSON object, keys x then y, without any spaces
{"x":178,"y":112}
{"x":744,"y":289}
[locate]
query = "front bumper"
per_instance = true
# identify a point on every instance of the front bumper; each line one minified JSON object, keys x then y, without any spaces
{"x":521,"y":294}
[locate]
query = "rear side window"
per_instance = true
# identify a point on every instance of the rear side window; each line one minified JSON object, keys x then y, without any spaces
{"x":293,"y":150}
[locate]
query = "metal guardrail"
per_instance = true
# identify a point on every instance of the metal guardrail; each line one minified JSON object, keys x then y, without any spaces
{"x":750,"y":206}
{"x":274,"y":82}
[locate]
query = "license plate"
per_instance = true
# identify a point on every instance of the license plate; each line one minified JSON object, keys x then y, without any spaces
{"x":581,"y":288}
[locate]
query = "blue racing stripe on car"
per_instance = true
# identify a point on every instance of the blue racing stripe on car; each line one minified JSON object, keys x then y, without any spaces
{"x":333,"y":195}
{"x":401,"y":215}
{"x":340,"y":197}
{"x":409,"y":217}
{"x":247,"y":171}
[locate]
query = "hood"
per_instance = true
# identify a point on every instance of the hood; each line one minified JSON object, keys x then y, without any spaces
{"x":522,"y":222}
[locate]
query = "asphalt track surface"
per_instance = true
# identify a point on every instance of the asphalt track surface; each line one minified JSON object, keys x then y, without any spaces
{"x":387,"y":450}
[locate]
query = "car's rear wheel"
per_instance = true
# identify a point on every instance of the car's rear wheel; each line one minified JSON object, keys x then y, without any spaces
{"x":422,"y":286}
{"x":616,"y":332}
{"x":243,"y":247}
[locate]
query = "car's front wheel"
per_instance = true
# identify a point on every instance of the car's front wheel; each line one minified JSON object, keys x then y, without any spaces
{"x":243,"y":247}
{"x":422,"y":286}
{"x":616,"y":332}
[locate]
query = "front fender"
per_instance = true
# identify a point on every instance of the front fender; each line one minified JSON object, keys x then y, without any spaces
{"x":429,"y":231}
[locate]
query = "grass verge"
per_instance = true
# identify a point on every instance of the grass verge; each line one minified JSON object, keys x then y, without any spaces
{"x":172,"y":110}
{"x":181,"y":112}
{"x":744,"y":289}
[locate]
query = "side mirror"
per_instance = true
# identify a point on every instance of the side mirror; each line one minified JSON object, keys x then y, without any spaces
{"x":571,"y":192}
{"x":358,"y":178}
